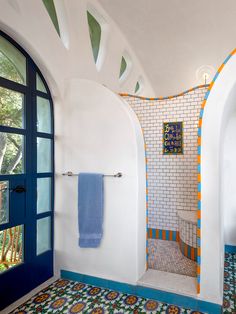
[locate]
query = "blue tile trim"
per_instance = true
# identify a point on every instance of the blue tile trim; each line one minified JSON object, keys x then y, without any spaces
{"x":230,"y":248}
{"x":227,"y":59}
{"x":199,"y":187}
{"x":199,"y":150}
{"x":162,"y":296}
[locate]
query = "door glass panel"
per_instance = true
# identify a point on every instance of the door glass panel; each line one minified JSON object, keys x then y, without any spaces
{"x":39,"y":84}
{"x":4,"y":202}
{"x":43,"y":115}
{"x":11,"y":108}
{"x":11,"y":247}
{"x":43,"y":235}
{"x":12,"y":62}
{"x":43,"y":195}
{"x":44,"y":163}
{"x":11,"y":153}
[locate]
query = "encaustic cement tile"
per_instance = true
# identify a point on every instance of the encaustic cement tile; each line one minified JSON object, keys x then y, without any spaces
{"x":66,"y":296}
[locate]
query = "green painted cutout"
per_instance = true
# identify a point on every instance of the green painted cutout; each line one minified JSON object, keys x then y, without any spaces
{"x":95,"y":32}
{"x":49,"y":4}
{"x":123,"y":66}
{"x":137,"y":87}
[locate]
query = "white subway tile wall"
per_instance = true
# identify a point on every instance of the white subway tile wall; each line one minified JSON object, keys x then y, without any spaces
{"x":172,"y":179}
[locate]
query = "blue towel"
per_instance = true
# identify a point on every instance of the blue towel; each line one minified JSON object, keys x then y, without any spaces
{"x":90,"y":205}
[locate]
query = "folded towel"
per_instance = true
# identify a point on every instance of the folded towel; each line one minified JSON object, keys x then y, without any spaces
{"x":90,"y":206}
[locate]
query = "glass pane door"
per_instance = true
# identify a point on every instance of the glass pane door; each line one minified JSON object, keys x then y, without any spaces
{"x":26,"y":174}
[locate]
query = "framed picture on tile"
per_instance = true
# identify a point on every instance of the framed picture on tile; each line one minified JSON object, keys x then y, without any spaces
{"x":173,"y":138}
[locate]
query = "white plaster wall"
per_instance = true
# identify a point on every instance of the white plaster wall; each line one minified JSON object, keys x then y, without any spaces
{"x":174,"y":39}
{"x":220,"y":105}
{"x":99,"y":134}
{"x":94,"y":131}
{"x":228,"y":181}
{"x":71,"y":55}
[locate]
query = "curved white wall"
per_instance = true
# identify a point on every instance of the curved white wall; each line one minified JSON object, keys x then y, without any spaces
{"x":71,"y":55}
{"x":94,"y":131}
{"x":229,"y":180}
{"x":175,"y":39}
{"x":100,"y":133}
{"x":220,"y":105}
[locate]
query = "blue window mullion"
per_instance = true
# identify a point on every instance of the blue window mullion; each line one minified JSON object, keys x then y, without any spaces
{"x":44,"y":135}
{"x":45,"y":175}
{"x":8,"y":129}
{"x":13,"y":85}
{"x":30,"y":163}
{"x":42,"y":94}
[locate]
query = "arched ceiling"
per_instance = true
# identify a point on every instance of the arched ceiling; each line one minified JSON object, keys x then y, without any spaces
{"x":173,"y":39}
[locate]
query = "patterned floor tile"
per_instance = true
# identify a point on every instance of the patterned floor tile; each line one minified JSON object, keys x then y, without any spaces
{"x":229,"y":302}
{"x":166,"y":256}
{"x":69,"y":297}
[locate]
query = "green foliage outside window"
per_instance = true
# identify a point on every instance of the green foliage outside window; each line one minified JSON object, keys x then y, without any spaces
{"x":11,"y":115}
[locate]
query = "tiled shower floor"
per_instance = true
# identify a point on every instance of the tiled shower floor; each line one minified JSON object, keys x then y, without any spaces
{"x":166,"y":256}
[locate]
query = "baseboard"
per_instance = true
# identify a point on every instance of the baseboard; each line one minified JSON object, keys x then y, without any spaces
{"x":230,"y":248}
{"x":158,"y":295}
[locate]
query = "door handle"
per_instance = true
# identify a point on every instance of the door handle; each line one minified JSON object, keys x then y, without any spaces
{"x":18,"y":189}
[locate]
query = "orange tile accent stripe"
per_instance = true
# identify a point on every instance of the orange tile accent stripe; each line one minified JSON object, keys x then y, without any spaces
{"x":203,"y":104}
{"x":185,"y":250}
{"x":192,"y":253}
{"x":198,"y":269}
{"x":199,"y":214}
{"x":199,"y":177}
{"x":198,"y":288}
{"x":164,"y":97}
{"x":199,"y":196}
{"x":150,"y":233}
{"x":198,"y":232}
{"x":200,"y":123}
{"x":219,"y":70}
{"x":177,"y":236}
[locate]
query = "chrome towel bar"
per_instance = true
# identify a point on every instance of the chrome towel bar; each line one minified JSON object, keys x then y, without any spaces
{"x":71,"y":174}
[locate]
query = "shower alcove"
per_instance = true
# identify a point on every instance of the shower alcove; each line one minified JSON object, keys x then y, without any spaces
{"x":172,"y":188}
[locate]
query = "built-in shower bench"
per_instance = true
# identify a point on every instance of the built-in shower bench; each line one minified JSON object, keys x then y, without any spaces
{"x":187,"y":220}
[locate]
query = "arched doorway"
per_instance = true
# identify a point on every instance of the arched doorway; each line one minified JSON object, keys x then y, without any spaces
{"x":26,"y":174}
{"x":218,"y":107}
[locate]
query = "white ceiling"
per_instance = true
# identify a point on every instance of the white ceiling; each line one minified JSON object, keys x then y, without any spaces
{"x":174,"y":38}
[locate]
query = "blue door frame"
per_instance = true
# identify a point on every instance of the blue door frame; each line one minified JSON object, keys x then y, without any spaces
{"x":35,"y":269}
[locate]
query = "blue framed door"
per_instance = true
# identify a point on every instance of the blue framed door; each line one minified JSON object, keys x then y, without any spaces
{"x":26,"y":174}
